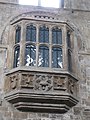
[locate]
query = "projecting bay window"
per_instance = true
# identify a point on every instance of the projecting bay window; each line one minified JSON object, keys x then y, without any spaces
{"x":43,"y":72}
{"x":43,"y":46}
{"x":47,"y":47}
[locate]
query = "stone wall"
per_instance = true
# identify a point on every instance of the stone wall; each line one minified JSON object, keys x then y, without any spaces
{"x":77,"y":14}
{"x":9,"y":1}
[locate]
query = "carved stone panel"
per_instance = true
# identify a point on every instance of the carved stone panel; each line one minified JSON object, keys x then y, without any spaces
{"x":59,"y":83}
{"x":14,"y":81}
{"x":43,"y":83}
{"x":72,"y":86}
{"x":27,"y":80}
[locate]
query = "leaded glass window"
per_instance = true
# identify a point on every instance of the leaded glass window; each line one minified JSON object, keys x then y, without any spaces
{"x":30,"y":55}
{"x":56,"y":36}
{"x":18,"y":34}
{"x":43,"y":45}
{"x":57,"y":57}
{"x":43,"y":60}
{"x":31,"y":33}
{"x":68,"y":39}
{"x":69,"y":61}
{"x":43,"y":34}
{"x":16,"y":56}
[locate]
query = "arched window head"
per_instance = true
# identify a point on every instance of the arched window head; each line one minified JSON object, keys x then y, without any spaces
{"x":43,"y":34}
{"x":18,"y":34}
{"x":30,"y":55}
{"x":56,"y":36}
{"x":16,"y":56}
{"x":31,"y":33}
{"x":43,"y":58}
{"x":57,"y":57}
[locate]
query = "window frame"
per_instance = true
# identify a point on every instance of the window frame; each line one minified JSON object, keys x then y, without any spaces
{"x":70,"y":49}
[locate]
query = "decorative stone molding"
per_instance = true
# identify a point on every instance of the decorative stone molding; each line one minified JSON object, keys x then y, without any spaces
{"x":39,"y":15}
{"x":38,"y":91}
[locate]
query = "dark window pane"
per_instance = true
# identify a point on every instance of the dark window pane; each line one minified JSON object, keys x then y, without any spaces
{"x":62,"y":3}
{"x":68,"y":39}
{"x":43,"y":34}
{"x":56,"y":36}
{"x":69,"y":61}
{"x":31,"y":33}
{"x":30,"y":55}
{"x":43,"y":60}
{"x":57,"y":57}
{"x":16,"y":57}
{"x":18,"y":35}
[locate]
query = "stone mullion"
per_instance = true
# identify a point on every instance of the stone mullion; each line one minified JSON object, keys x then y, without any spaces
{"x":10,"y":50}
{"x":22,"y":44}
{"x":61,"y":3}
{"x":64,"y":48}
{"x":39,"y":2}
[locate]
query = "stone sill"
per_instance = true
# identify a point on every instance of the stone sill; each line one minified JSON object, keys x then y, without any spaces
{"x":59,"y":71}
